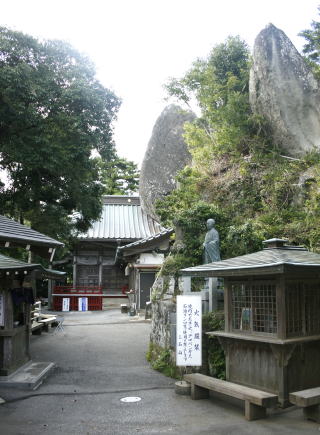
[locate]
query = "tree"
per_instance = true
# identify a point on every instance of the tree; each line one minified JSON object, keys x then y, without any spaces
{"x":220,"y":85}
{"x":236,"y":170}
{"x":119,"y":176}
{"x":53,"y":115}
{"x":312,"y":48}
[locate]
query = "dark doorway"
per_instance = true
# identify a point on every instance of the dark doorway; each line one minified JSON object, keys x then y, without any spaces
{"x":146,"y":282}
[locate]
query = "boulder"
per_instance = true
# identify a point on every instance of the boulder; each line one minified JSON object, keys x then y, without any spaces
{"x":285,"y":92}
{"x":166,"y":154}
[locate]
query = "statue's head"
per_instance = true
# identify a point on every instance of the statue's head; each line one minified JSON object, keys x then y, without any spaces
{"x":210,"y":223}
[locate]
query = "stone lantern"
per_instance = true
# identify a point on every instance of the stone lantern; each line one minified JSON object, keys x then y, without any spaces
{"x":272,"y":317}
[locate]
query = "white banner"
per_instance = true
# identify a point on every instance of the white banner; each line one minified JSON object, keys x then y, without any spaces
{"x":83,"y":304}
{"x":65,"y":304}
{"x":1,"y":310}
{"x":189,"y":330}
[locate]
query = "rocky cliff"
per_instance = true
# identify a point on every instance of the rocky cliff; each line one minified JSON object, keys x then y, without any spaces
{"x":166,"y":154}
{"x":285,"y":92}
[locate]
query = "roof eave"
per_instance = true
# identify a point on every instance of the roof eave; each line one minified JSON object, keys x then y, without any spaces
{"x":266,"y":269}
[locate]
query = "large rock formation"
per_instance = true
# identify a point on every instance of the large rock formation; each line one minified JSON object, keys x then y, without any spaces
{"x":166,"y":154}
{"x":285,"y":92}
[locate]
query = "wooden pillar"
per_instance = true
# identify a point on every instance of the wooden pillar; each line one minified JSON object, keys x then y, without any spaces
{"x":100,"y":263}
{"x":281,"y":308}
{"x":213,"y":294}
{"x":186,"y":284}
{"x":74,"y":278}
{"x":8,"y":325}
{"x":227,"y":305}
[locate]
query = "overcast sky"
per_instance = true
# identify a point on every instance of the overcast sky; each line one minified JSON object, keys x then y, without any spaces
{"x":137,"y":44}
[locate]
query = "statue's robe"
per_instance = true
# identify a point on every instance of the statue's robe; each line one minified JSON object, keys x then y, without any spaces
{"x":211,"y":246}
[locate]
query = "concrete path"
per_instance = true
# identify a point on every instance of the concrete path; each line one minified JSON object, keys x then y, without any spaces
{"x":100,"y":359}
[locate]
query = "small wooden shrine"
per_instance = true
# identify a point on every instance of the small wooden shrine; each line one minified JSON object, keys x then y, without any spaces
{"x":272,"y":317}
{"x":17,"y":290}
{"x":16,"y":297}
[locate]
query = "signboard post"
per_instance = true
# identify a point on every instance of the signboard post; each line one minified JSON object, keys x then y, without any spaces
{"x":189,"y":331}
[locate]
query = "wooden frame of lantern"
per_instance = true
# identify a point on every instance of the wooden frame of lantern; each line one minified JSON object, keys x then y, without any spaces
{"x":272,"y":318}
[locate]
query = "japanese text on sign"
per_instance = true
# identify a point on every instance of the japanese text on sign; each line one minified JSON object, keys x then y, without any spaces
{"x":65,"y":304}
{"x":189,"y":331}
{"x":83,"y":304}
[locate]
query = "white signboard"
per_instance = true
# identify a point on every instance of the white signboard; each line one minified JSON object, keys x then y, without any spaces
{"x":65,"y":304}
{"x":189,"y":331}
{"x":1,"y":310}
{"x":83,"y":304}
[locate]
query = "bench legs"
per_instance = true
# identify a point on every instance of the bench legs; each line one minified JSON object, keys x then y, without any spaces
{"x":199,"y":392}
{"x":312,"y":413}
{"x":36,"y":331}
{"x":254,"y":412}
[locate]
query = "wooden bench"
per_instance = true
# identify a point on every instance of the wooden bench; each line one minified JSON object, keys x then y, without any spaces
{"x":256,"y":401}
{"x":36,"y":328}
{"x":46,"y":321}
{"x":309,"y":400}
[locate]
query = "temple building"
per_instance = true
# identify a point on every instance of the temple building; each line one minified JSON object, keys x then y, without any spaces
{"x":121,"y":251}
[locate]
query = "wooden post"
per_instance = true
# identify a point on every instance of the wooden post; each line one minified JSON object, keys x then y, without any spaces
{"x":254,"y":412}
{"x":281,"y":308}
{"x":213,"y":294}
{"x":100,"y":270}
{"x":312,"y":413}
{"x":186,"y":284}
{"x":198,"y":393}
{"x":227,"y":305}
{"x":74,"y":278}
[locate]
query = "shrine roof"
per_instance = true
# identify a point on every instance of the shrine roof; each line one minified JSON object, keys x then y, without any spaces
{"x":122,"y":218}
{"x":12,"y":231}
{"x":11,"y":265}
{"x":275,"y":260}
{"x":163,"y":235}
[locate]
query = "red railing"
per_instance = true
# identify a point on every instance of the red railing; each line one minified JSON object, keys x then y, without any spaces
{"x":94,"y":295}
{"x":77,"y":289}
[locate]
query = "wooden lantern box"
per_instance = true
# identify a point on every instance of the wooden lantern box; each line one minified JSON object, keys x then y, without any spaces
{"x":272,"y":318}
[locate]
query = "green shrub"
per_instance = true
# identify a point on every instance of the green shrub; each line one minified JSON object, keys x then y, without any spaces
{"x":161,"y":360}
{"x":214,"y":321}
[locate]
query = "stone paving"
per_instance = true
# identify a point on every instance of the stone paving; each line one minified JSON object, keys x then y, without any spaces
{"x":100,"y":358}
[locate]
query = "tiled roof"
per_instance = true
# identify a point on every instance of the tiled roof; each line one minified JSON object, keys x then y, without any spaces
{"x":268,"y":260}
{"x":139,"y":243}
{"x":9,"y":264}
{"x":122,"y":218}
{"x":12,"y":231}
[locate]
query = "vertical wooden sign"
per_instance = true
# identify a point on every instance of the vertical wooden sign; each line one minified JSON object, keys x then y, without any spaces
{"x":189,"y":331}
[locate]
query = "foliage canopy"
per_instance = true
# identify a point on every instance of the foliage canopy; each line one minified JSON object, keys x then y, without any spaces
{"x":237,"y":173}
{"x":54,"y":115}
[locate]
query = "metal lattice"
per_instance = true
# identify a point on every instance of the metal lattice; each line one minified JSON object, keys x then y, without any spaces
{"x":254,"y":307}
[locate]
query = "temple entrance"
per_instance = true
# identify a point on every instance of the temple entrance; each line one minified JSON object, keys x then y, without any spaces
{"x":146,"y":282}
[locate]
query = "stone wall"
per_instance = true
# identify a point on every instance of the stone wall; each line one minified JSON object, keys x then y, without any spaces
{"x":163,"y":312}
{"x":163,"y":323}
